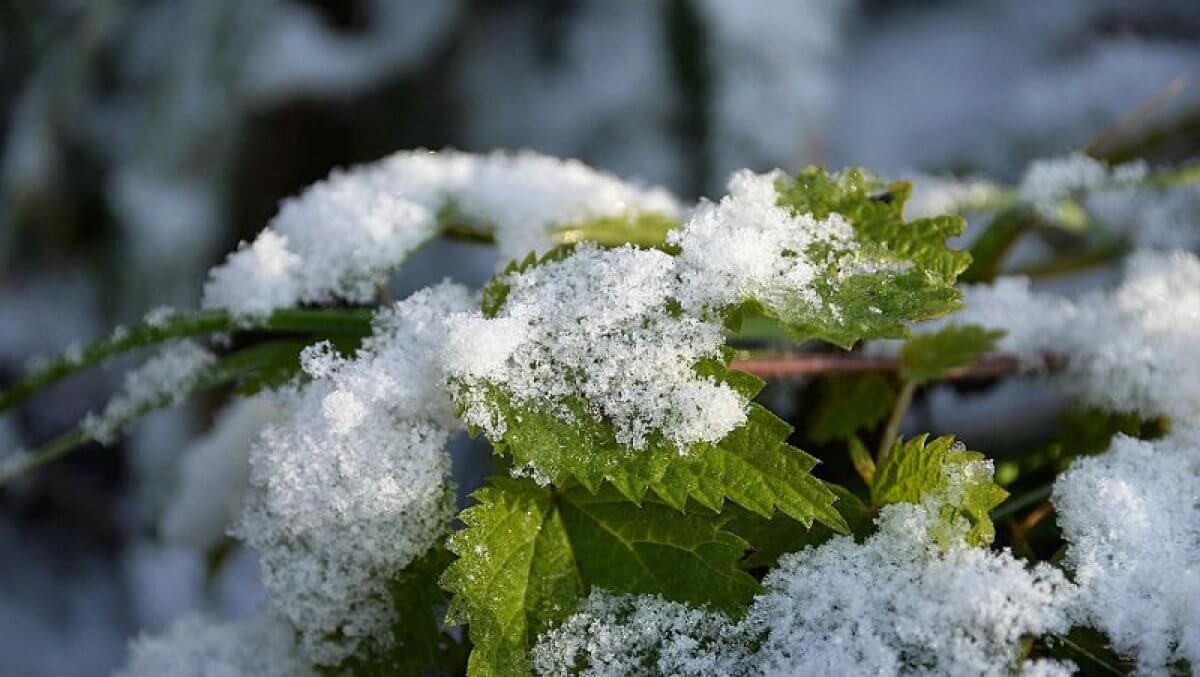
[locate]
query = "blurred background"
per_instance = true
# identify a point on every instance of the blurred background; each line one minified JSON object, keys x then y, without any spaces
{"x":140,"y":141}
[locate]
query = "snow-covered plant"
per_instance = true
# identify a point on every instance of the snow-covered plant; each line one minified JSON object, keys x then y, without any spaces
{"x":649,"y":514}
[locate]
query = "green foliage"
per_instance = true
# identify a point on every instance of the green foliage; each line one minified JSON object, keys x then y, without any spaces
{"x":529,"y":554}
{"x":989,"y":249}
{"x":772,"y":537}
{"x":930,"y":356}
{"x":848,"y":404}
{"x":914,"y":269}
{"x":648,"y":229}
{"x":753,"y":465}
{"x":944,"y":469}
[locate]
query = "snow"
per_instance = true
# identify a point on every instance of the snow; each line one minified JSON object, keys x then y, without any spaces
{"x":197,"y":647}
{"x":165,"y":379}
{"x":1128,"y":349}
{"x":343,"y":236}
{"x":1131,"y":517}
{"x":748,"y":247}
{"x":596,"y":329}
{"x":214,"y":475}
{"x":904,"y":601}
{"x":353,"y":485}
{"x":775,"y":64}
{"x":1049,"y":181}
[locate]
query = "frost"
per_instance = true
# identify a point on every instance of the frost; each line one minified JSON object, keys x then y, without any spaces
{"x":343,"y":236}
{"x":904,"y":602}
{"x":214,"y":475}
{"x":1132,"y":348}
{"x":258,"y":646}
{"x":166,"y":378}
{"x":353,"y":485}
{"x":1131,"y":517}
{"x":596,"y":329}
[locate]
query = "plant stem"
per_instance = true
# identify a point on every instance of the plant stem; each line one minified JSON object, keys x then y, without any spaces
{"x":292,"y":320}
{"x":892,"y":430}
{"x":813,"y":365}
{"x":228,"y":370}
{"x":1019,"y":503}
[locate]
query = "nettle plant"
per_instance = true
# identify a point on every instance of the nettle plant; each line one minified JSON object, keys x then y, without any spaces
{"x":648,"y":515}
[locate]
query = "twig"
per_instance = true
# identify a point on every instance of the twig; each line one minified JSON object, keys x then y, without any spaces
{"x":892,"y":430}
{"x":293,"y":320}
{"x":1156,"y":101}
{"x":812,"y":365}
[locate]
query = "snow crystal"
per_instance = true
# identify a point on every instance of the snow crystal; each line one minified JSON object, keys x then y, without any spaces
{"x":166,"y":378}
{"x":196,"y":647}
{"x":214,"y":475}
{"x":905,"y":601}
{"x":344,"y":235}
{"x":1131,"y":517}
{"x":353,"y":485}
{"x":1133,"y":348}
{"x":597,"y":329}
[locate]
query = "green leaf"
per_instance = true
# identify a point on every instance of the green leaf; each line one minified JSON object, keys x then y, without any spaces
{"x":752,"y":466}
{"x":989,"y":249}
{"x":945,"y":471}
{"x":850,"y":403}
{"x":864,"y":465}
{"x":648,"y":230}
{"x":529,"y":554}
{"x":930,"y":356}
{"x":912,"y":270}
{"x":420,"y":645}
{"x":771,"y":538}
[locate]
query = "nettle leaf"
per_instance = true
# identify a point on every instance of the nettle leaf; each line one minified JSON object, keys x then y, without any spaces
{"x":850,"y":403}
{"x":930,"y":356}
{"x":772,"y":537}
{"x":753,"y":465}
{"x":528,"y":554}
{"x":909,"y":272}
{"x":647,"y":229}
{"x":946,"y":471}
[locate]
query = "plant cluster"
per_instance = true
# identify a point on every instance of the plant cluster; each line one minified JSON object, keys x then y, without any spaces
{"x":649,"y":515}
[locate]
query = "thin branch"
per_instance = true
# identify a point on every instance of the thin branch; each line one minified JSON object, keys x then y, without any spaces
{"x":1143,"y":111}
{"x":230,"y":369}
{"x":892,"y":431}
{"x":816,"y":365}
{"x":293,"y":320}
